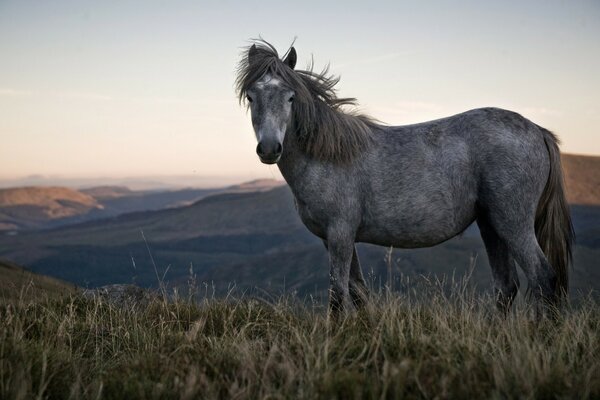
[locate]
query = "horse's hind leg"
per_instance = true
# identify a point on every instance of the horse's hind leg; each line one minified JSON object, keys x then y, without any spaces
{"x":540,"y":275}
{"x":504,"y":271}
{"x":518,"y":234}
{"x":357,"y":285}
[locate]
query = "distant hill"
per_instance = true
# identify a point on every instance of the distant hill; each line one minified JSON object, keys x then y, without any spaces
{"x":46,"y":207}
{"x":32,"y":207}
{"x":258,"y":185}
{"x":120,"y":200}
{"x":53,"y":199}
{"x":18,"y":283}
{"x":582,"y":178}
{"x":107,"y":192}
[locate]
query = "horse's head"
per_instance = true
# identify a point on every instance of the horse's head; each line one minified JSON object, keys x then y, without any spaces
{"x":270,"y":101}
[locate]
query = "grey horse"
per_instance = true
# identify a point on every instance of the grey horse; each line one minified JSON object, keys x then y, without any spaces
{"x":355,"y":179}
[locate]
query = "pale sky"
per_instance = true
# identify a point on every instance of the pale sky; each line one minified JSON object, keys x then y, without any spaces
{"x":145,"y":88}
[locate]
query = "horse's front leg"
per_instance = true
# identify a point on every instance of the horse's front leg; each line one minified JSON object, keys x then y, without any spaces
{"x":340,"y":245}
{"x":358,"y":287}
{"x":359,"y":293}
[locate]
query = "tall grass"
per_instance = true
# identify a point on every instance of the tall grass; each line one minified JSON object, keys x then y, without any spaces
{"x":424,"y":343}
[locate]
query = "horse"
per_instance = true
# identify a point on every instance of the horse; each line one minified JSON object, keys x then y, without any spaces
{"x":355,"y":179}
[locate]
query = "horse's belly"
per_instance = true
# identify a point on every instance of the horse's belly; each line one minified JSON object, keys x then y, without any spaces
{"x":407,"y":240}
{"x":417,"y":230}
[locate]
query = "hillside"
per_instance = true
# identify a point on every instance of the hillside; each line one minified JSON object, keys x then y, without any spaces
{"x":582,"y":179}
{"x":447,"y":347}
{"x":18,"y":283}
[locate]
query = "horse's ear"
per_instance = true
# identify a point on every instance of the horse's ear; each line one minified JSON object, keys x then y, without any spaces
{"x":251,"y":53}
{"x":291,"y":58}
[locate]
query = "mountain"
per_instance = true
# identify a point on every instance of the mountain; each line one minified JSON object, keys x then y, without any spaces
{"x":17,"y":283}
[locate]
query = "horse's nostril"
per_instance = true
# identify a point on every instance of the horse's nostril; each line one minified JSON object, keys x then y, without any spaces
{"x":278,"y":149}
{"x":259,"y":150}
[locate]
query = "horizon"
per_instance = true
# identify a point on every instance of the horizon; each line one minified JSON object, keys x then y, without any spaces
{"x":149,"y":182}
{"x":141,"y":183}
{"x":144,"y":89}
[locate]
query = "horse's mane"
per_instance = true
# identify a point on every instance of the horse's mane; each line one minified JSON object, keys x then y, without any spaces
{"x":325,"y":130}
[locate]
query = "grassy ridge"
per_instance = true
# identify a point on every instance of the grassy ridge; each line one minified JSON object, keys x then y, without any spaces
{"x":17,"y":283}
{"x":449,"y":346}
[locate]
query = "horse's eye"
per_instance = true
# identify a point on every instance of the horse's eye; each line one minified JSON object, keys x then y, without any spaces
{"x":249,"y":99}
{"x":291,"y":98}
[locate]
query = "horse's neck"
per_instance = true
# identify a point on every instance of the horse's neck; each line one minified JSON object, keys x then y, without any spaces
{"x":294,"y":162}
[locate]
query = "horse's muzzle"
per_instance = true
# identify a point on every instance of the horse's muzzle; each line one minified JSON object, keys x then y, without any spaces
{"x":269,"y":152}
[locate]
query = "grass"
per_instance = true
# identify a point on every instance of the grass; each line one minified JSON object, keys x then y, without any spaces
{"x":419,"y":344}
{"x":18,"y":284}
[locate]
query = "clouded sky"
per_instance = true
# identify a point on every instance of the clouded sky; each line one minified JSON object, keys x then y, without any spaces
{"x":145,"y":88}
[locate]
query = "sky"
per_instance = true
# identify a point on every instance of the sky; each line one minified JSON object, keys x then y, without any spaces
{"x":126,"y":89}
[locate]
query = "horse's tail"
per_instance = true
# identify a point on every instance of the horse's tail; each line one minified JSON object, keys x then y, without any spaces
{"x":553,"y":226}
